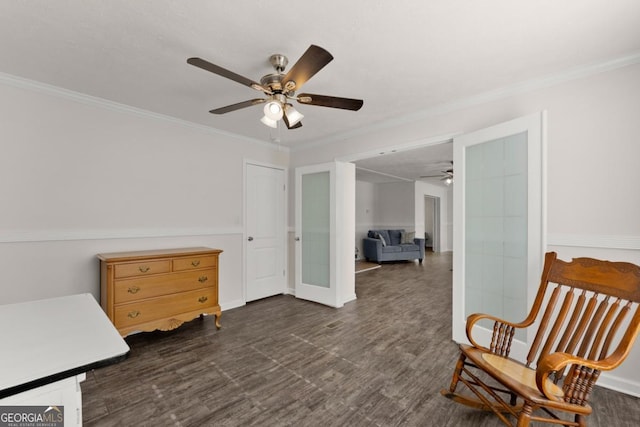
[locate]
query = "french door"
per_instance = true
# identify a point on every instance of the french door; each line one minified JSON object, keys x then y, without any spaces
{"x":498,"y":224}
{"x":325,"y":233}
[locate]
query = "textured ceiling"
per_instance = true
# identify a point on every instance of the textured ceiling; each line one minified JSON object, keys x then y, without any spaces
{"x":425,"y":164}
{"x":399,"y":56}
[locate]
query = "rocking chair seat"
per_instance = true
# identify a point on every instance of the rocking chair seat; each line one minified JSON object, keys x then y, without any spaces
{"x":519,"y":378}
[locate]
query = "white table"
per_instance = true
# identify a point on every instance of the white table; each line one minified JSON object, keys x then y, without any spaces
{"x":46,"y":346}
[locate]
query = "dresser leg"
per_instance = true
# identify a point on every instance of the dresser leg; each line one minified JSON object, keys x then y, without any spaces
{"x":218,"y":315}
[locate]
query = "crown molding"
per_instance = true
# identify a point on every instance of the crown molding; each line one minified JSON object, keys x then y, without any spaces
{"x":94,"y":101}
{"x":482,"y":98}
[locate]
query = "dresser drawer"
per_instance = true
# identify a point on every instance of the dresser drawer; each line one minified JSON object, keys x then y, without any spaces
{"x":142,"y":268}
{"x":191,"y":263}
{"x":138,"y":288}
{"x":164,"y":307}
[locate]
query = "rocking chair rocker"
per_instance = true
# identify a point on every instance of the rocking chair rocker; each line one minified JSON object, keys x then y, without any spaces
{"x":575,"y":341}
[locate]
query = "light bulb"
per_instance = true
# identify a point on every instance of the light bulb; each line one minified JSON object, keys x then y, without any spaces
{"x":273,"y":110}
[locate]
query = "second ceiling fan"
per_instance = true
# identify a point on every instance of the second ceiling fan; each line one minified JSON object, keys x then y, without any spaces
{"x":444,"y":175}
{"x":281,"y":88}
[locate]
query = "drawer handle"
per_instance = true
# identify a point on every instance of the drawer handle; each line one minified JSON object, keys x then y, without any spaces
{"x":202,"y":299}
{"x":133,"y":290}
{"x":144,"y":268}
{"x":195,"y":263}
{"x":133,"y":314}
{"x":203,"y":279}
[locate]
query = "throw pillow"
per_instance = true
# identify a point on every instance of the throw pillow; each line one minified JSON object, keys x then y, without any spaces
{"x":407,"y":237}
{"x":379,"y":236}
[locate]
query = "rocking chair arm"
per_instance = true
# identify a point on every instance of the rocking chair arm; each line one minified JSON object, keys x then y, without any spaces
{"x":474,"y":318}
{"x":556,"y":362}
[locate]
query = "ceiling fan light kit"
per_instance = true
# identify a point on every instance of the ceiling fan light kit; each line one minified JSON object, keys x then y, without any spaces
{"x":445,"y":176}
{"x":268,"y":122}
{"x":293,"y":115}
{"x":280,"y":88}
{"x":273,"y":110}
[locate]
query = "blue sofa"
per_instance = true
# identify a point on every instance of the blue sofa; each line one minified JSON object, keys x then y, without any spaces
{"x":387,"y":245}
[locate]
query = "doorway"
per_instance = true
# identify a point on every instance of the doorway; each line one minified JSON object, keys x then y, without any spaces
{"x":431,"y":223}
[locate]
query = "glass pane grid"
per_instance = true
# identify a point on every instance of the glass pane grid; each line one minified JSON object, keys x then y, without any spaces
{"x":496,"y":228}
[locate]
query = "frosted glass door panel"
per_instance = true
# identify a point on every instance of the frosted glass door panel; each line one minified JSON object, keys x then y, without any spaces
{"x":316,"y":228}
{"x":496,"y":228}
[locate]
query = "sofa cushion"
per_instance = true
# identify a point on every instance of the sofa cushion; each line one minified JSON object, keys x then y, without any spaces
{"x":383,"y":235}
{"x":407,"y":237}
{"x":395,"y":237}
{"x":408,"y":247}
{"x":391,"y":249}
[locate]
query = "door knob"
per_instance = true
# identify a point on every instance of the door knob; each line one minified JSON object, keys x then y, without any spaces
{"x":250,"y":239}
{"x":297,"y":239}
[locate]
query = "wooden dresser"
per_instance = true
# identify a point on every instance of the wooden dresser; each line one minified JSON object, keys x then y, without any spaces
{"x":159,"y":289}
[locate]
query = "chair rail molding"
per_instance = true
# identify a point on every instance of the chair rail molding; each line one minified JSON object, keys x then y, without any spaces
{"x":594,"y":241}
{"x":64,"y":235}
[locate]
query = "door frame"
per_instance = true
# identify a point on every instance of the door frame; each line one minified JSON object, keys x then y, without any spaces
{"x":245,"y":235}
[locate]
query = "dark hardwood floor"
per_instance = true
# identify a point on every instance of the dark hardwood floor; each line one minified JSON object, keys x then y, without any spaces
{"x":379,"y":361}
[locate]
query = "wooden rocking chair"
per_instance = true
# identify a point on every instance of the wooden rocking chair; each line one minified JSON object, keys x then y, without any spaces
{"x":575,"y":341}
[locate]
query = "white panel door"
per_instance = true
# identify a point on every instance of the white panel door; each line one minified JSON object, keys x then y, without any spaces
{"x":325,"y":218}
{"x":498,"y":224}
{"x":265,"y":237}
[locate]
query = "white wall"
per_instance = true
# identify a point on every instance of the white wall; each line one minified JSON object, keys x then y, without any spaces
{"x":395,"y":206}
{"x":592,"y":201}
{"x":81,"y":176}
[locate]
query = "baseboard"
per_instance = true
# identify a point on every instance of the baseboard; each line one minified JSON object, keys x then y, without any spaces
{"x":232,"y":304}
{"x":623,"y":385}
{"x":350,"y":298}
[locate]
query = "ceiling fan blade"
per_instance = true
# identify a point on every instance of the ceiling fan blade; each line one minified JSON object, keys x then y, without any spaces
{"x":286,"y":122}
{"x":448,"y":174}
{"x":208,"y":66}
{"x":238,"y":106}
{"x":312,"y":61}
{"x":330,"y":101}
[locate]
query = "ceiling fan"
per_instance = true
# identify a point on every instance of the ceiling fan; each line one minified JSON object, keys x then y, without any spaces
{"x":281,"y":88}
{"x":445,"y":175}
